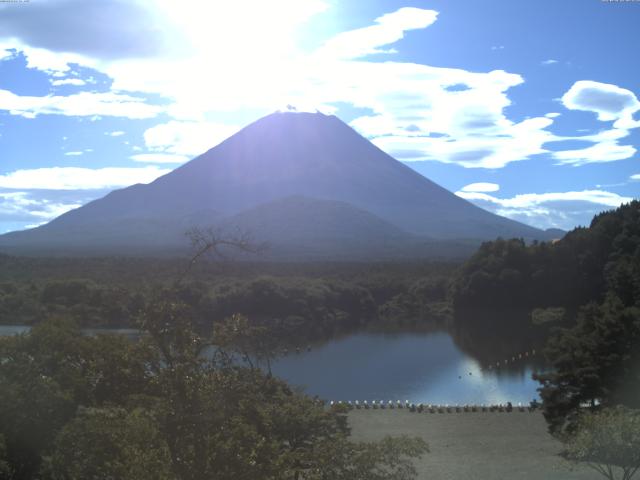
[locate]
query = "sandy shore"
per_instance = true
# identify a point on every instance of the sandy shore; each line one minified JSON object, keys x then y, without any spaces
{"x":475,"y":446}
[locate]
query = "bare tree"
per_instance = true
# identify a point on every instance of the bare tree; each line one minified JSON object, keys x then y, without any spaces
{"x":219,"y":244}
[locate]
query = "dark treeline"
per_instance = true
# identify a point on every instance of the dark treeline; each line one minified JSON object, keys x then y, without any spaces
{"x":585,"y":291}
{"x":581,"y":267}
{"x":305,"y":302}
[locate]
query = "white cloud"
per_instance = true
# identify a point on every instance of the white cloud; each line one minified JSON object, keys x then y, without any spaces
{"x":117,"y":133}
{"x":605,"y":151}
{"x":74,"y":154}
{"x":76,"y":178}
{"x":547,"y":210}
{"x":609,"y":102}
{"x":23,"y":208}
{"x":68,"y":81}
{"x":552,"y":115}
{"x":79,"y":104}
{"x":527,"y":200}
{"x":470,"y":139}
{"x":187,"y":138}
{"x":159,"y":158}
{"x":387,"y":30}
{"x":635,"y":176}
{"x":6,"y":53}
{"x":481,"y":187}
{"x":550,"y":61}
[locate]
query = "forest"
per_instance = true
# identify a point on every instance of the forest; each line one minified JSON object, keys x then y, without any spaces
{"x":305,"y":302}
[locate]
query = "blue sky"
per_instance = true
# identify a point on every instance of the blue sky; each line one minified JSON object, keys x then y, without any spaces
{"x":528,"y":109}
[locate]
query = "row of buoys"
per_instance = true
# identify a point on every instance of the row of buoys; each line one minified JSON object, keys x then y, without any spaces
{"x":285,"y":352}
{"x":421,"y":407}
{"x":513,"y":359}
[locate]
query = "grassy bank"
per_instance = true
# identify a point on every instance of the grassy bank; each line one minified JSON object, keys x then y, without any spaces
{"x":474,"y":446}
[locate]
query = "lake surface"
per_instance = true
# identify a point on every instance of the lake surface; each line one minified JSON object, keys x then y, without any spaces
{"x":419,"y":367}
{"x":18,"y":329}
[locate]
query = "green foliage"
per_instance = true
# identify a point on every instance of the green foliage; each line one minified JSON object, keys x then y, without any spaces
{"x":579,"y":268}
{"x":594,"y":363}
{"x":304,"y":308}
{"x":543,"y":316}
{"x":46,"y":374}
{"x":303,"y":303}
{"x":74,"y":406}
{"x":109,"y":443}
{"x":607,"y":441}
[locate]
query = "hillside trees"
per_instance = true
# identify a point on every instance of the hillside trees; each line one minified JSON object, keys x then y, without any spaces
{"x":595,"y":363}
{"x":591,"y":279}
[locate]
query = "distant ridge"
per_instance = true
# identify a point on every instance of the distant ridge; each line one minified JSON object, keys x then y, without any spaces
{"x":306,"y":182}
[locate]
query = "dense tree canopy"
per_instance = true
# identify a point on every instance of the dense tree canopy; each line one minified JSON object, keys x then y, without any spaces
{"x":172,"y":405}
{"x":579,"y":268}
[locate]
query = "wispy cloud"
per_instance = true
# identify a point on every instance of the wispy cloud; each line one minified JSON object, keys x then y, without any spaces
{"x":23,"y":208}
{"x":547,"y":210}
{"x":77,"y":178}
{"x":83,"y":104}
{"x":603,"y":152}
{"x":481,"y":187}
{"x":78,"y":82}
{"x":159,"y":158}
{"x":386,"y":30}
{"x":187,"y":138}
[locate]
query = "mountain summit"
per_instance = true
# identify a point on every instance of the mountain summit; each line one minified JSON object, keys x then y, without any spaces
{"x":305,"y":182}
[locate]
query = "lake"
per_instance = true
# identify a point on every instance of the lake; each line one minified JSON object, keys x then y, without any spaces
{"x":17,"y":329}
{"x":419,"y":367}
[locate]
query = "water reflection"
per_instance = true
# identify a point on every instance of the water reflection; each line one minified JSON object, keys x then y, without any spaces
{"x":420,"y":367}
{"x":6,"y":330}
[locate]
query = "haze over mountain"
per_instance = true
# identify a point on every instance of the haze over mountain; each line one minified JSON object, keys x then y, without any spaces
{"x":306,"y":183}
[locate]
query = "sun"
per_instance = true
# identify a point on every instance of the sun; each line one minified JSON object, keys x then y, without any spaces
{"x":244,"y":30}
{"x":235,"y":52}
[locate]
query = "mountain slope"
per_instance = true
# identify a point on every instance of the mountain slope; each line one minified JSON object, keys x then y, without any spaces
{"x":279,"y":156}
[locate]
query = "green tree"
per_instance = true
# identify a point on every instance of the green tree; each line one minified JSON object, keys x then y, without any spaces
{"x":609,"y":442}
{"x":257,"y":345}
{"x":109,"y":443}
{"x":594,"y":363}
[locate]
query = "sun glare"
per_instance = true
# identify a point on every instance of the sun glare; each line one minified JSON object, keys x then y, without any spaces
{"x":247,"y":50}
{"x":243,"y":31}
